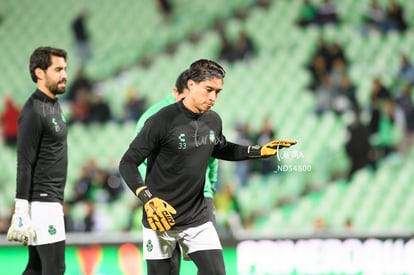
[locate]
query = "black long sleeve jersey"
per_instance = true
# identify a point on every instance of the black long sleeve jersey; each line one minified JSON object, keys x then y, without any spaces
{"x":41,"y":150}
{"x":178,"y":145}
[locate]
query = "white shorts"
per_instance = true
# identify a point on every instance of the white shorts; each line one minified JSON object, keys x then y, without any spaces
{"x":160,"y":245}
{"x":48,"y":222}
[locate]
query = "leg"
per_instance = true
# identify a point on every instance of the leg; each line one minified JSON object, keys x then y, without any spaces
{"x":159,"y":252}
{"x":52,"y":257}
{"x":202,"y":244}
{"x":209,"y":262}
{"x":34,"y":266}
{"x":175,"y":261}
{"x":159,"y":267}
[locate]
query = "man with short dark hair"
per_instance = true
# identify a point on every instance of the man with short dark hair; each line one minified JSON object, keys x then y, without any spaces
{"x":42,"y":167}
{"x":180,"y":91}
{"x":178,"y":142}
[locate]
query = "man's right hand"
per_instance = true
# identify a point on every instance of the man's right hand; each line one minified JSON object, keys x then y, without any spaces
{"x":159,"y":212}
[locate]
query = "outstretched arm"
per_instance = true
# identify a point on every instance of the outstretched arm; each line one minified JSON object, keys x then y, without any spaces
{"x":235,"y":152}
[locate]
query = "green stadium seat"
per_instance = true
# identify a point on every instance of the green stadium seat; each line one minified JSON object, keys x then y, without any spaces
{"x":275,"y":80}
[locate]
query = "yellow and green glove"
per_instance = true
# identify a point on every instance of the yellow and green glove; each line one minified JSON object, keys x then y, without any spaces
{"x":269,"y":149}
{"x":159,"y":212}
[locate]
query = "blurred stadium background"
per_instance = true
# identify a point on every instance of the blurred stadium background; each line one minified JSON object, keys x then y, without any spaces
{"x":131,"y":45}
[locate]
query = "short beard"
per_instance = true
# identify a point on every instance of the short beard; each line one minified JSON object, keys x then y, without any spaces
{"x":55,"y":89}
{"x":58,"y":92}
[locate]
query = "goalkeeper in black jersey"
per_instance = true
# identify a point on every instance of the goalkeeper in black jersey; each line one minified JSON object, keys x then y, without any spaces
{"x":178,"y":142}
{"x":42,"y":167}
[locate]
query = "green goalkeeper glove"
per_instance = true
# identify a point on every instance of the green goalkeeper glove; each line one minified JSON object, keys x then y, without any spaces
{"x":21,"y":228}
{"x":269,"y":149}
{"x":158,"y":211}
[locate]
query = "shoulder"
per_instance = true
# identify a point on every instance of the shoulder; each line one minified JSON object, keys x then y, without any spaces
{"x":32,"y":107}
{"x":161,"y":104}
{"x":31,"y":114}
{"x":162,"y":115}
{"x":212,"y":115}
{"x":168,"y":110}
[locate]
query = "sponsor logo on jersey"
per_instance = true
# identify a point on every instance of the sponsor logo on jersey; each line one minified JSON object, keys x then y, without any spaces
{"x":182,"y":145}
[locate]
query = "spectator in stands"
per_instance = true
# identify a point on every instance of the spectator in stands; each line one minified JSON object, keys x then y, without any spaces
{"x":165,"y":7}
{"x":395,"y":17}
{"x":405,"y":71}
{"x":405,"y":102}
{"x":5,"y":218}
{"x":319,"y":224}
{"x":80,"y":82}
{"x":82,"y":186}
{"x":82,"y":37}
{"x":245,"y":46}
{"x":378,"y":93}
{"x":4,"y":224}
{"x":320,"y":227}
{"x":385,"y":19}
{"x":345,"y":99}
{"x":348,"y":224}
{"x":318,"y":69}
{"x":89,"y":220}
{"x":227,"y":50}
{"x":134,"y":106}
{"x":80,"y":107}
{"x":357,"y":145}
{"x":263,"y":3}
{"x":307,"y":15}
{"x":338,"y":69}
{"x":325,"y":94}
{"x":8,"y":121}
{"x":228,"y":210}
{"x":322,"y":60}
{"x":243,"y":49}
{"x":100,"y":111}
{"x":374,"y":18}
{"x":391,"y":121}
{"x":322,"y":48}
{"x":379,"y":90}
{"x":336,"y":52}
{"x":266,"y":134}
{"x":374,"y":114}
{"x":326,"y":13}
{"x":111,"y":184}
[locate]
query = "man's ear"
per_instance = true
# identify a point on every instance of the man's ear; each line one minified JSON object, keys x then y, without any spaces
{"x":176,"y":95}
{"x":40,"y":74}
{"x":190,"y":84}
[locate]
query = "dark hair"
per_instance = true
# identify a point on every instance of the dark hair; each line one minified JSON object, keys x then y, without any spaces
{"x":181,"y":82}
{"x":205,"y":69}
{"x":41,"y":58}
